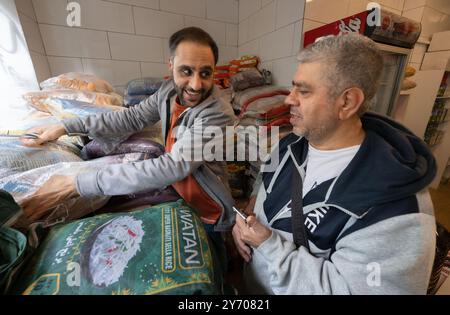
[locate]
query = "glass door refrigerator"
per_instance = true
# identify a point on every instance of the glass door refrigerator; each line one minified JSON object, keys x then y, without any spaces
{"x":395,"y":36}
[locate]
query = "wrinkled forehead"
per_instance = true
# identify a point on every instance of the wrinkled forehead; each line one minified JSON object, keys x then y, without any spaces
{"x":309,"y":74}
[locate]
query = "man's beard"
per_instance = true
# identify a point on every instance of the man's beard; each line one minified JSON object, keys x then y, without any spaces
{"x":320,"y":131}
{"x":204,"y":94}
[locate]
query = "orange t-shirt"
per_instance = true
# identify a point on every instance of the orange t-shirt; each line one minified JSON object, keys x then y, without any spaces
{"x":188,"y":188}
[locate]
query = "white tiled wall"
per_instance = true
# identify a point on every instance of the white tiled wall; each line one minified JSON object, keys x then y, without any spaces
{"x":121,"y":33}
{"x":272,"y":29}
{"x":33,"y":38}
{"x":122,"y":39}
{"x":433,"y":14}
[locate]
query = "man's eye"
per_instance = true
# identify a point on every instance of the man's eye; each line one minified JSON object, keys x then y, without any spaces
{"x":205,"y":74}
{"x":303,"y":92}
{"x":186,"y":72}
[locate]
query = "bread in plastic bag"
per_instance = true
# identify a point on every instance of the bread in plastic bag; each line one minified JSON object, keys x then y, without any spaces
{"x":64,"y":109}
{"x":408,"y":84}
{"x":410,"y":71}
{"x":77,"y":81}
{"x":37,"y":99}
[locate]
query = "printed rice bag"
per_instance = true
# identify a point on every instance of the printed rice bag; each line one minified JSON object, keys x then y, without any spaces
{"x":23,"y":185}
{"x":135,"y":143}
{"x":35,"y":119}
{"x":132,"y":201}
{"x":247,"y":79}
{"x":246,"y":62}
{"x":77,"y":81}
{"x":158,"y":250}
{"x":16,"y":158}
{"x":143,"y":86}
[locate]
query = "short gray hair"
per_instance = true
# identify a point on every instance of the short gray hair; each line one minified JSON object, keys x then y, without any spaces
{"x":352,"y":60}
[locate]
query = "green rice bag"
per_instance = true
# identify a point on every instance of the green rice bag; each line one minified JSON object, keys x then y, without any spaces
{"x":158,"y":250}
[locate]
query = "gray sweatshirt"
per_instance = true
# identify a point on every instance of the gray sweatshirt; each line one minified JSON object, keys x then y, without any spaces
{"x":373,"y":225}
{"x":113,"y":128}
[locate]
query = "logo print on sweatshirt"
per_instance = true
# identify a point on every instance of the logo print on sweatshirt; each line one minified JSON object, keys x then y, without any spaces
{"x":314,"y":217}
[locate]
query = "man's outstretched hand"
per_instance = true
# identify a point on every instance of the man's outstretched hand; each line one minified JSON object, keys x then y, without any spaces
{"x":44,"y":134}
{"x":54,"y":192}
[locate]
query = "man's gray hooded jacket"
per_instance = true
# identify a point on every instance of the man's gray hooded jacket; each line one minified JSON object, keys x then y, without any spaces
{"x":213,"y":114}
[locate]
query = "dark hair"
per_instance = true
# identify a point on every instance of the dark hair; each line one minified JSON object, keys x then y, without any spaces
{"x":195,"y":35}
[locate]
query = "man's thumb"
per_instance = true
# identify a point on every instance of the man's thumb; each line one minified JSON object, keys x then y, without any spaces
{"x":250,"y":220}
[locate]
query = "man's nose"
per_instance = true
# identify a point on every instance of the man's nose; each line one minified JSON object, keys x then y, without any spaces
{"x":291,"y":100}
{"x":195,"y":83}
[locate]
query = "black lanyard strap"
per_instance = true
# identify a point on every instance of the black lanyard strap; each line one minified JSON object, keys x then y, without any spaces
{"x":297,"y":218}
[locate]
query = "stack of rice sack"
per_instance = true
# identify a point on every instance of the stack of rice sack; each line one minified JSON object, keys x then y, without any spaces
{"x":24,"y":170}
{"x":145,"y":145}
{"x":138,"y":90}
{"x":245,"y":63}
{"x":112,"y":250}
{"x":260,"y":107}
{"x":222,"y":76}
{"x":223,"y":73}
{"x":24,"y":184}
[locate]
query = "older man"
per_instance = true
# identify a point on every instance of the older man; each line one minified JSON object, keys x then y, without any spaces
{"x":347,"y":210}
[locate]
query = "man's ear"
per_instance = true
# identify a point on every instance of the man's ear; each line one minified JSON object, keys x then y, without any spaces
{"x":171,"y":64}
{"x":351,"y":101}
